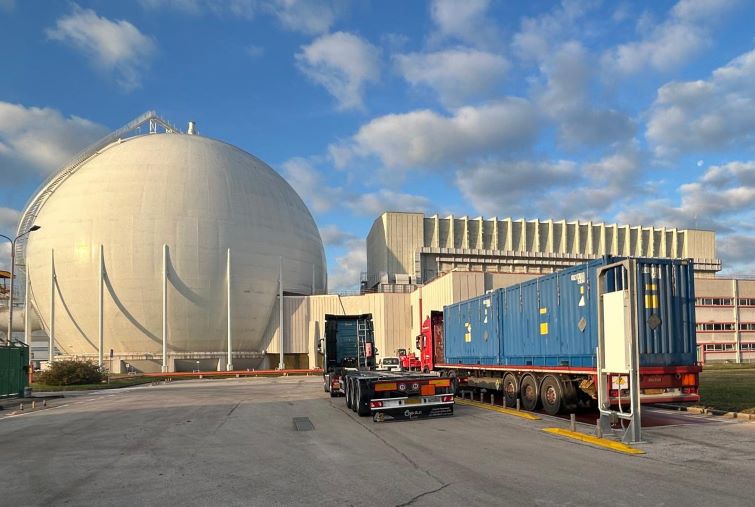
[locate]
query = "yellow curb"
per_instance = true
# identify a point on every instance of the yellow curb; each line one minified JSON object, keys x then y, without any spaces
{"x":502,"y":410}
{"x":600,"y":442}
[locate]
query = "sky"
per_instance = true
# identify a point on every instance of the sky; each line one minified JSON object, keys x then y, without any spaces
{"x":639,"y":113}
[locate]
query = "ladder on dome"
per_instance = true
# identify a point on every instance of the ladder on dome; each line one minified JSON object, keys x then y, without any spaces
{"x":32,"y":208}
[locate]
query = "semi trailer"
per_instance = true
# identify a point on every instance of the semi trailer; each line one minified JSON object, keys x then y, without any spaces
{"x":350,"y":371}
{"x":536,"y":341}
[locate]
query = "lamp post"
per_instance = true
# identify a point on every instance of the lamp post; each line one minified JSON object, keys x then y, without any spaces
{"x":13,"y":274}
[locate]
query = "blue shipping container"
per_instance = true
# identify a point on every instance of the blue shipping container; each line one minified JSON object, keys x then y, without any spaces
{"x":553,"y":320}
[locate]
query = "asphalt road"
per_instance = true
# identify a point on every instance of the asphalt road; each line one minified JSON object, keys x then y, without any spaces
{"x":233,"y":442}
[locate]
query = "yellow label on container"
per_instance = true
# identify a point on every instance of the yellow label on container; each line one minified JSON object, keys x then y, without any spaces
{"x":651,"y":301}
{"x":651,"y":286}
{"x":543,"y":311}
{"x":468,"y":334}
{"x":543,"y":328}
{"x":581,"y":290}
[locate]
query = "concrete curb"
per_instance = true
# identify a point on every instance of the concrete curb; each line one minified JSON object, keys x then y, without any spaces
{"x":708,"y":411}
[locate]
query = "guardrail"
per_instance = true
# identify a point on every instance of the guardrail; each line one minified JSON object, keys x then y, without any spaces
{"x":234,"y":373}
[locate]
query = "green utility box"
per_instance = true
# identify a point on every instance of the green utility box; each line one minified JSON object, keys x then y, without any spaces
{"x":14,"y":369}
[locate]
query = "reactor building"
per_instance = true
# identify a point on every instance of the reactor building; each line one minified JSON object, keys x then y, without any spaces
{"x":164,"y":250}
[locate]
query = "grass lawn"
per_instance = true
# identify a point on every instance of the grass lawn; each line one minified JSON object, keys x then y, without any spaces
{"x":114,"y":384}
{"x":728,"y":388}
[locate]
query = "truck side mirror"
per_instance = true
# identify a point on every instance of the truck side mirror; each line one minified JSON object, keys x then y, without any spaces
{"x":319,"y":345}
{"x":418,"y":342}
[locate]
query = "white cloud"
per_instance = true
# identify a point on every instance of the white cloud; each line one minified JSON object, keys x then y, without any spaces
{"x":113,"y":46}
{"x":457,"y":75}
{"x":375,"y":203}
{"x":39,"y":140}
{"x":537,"y":36}
{"x":344,"y":273}
{"x":722,"y":199}
{"x":712,"y":114}
{"x":306,"y":16}
{"x":9,"y":219}
{"x":467,"y":21}
{"x":554,"y":189}
{"x":332,"y":235}
{"x":7,"y":5}
{"x":668,"y":45}
{"x":566,"y":99}
{"x":425,"y":138}
{"x":311,"y":185}
{"x":509,"y":187}
{"x":343,"y":63}
{"x":736,"y":250}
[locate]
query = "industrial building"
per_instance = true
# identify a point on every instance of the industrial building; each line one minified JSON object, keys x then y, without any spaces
{"x":166,"y":251}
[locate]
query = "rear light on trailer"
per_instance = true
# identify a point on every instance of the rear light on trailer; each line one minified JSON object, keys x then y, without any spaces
{"x":689,"y":379}
{"x":689,"y":390}
{"x":385,"y":386}
{"x":613,"y":393}
{"x":376,"y":404}
{"x":446,"y":398}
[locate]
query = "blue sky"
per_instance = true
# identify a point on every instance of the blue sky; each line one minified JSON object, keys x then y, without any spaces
{"x":628,"y":112}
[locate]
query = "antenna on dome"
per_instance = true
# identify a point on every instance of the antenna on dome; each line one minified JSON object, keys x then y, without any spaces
{"x":192,"y":131}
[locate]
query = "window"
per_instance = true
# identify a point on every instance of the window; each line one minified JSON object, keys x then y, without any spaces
{"x":747,"y":326}
{"x":746,"y":301}
{"x":714,"y":301}
{"x":747,"y":346}
{"x":720,"y":347}
{"x":715,"y":326}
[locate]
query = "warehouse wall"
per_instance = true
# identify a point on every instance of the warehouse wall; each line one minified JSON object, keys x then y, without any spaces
{"x":304,"y":321}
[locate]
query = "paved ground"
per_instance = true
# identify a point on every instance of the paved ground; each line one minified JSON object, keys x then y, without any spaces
{"x":233,"y":442}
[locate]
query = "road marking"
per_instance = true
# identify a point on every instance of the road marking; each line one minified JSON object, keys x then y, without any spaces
{"x":502,"y":410}
{"x":600,"y":442}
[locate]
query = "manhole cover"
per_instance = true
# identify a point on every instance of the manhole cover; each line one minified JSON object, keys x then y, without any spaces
{"x":582,"y":324}
{"x":654,"y":321}
{"x":303,"y":424}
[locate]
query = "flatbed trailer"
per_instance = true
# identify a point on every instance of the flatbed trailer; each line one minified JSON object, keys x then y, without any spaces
{"x":400,"y":395}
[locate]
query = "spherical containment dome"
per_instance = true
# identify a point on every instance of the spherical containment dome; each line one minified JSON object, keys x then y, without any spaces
{"x":198,"y":196}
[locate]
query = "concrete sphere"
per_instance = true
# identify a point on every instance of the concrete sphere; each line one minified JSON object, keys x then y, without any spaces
{"x":200,"y":197}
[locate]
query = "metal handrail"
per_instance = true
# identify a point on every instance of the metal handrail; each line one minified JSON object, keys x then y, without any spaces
{"x":48,"y":187}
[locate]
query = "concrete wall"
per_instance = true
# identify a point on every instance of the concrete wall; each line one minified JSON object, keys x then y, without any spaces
{"x":727,"y":302}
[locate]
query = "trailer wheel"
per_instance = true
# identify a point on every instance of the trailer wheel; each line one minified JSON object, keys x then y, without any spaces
{"x":347,"y":390}
{"x":363,"y":406}
{"x":529,"y":393}
{"x":353,"y":392}
{"x":510,"y":389}
{"x":552,"y":395}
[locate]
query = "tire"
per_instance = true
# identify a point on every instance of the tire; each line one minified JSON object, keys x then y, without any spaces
{"x":552,"y":395}
{"x":510,"y":390}
{"x":454,"y":382}
{"x":363,"y":406}
{"x":353,"y":391}
{"x":529,"y":393}
{"x":347,"y":390}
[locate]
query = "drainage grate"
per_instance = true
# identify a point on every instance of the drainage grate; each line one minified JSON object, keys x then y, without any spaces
{"x":303,"y":424}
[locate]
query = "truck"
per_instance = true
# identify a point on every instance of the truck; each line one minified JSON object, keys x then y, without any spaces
{"x":536,"y":341}
{"x":409,"y":362}
{"x":350,"y":371}
{"x":349,"y":344}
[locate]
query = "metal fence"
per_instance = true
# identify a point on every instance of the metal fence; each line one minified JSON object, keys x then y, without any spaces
{"x":14,"y":368}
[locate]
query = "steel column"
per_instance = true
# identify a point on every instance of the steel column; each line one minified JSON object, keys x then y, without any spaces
{"x":27,"y":308}
{"x":281,"y":364}
{"x":53,"y":281}
{"x":100,"y":315}
{"x":165,"y":308}
{"x":229,"y":365}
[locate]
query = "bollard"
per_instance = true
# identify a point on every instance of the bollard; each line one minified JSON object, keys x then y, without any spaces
{"x":573,"y":422}
{"x":33,"y":404}
{"x":598,"y":429}
{"x":21,"y":407}
{"x":518,"y":404}
{"x":482,"y":396}
{"x":492,"y":398}
{"x":44,"y":403}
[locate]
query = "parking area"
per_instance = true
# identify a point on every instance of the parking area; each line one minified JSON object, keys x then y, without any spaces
{"x":283,"y":441}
